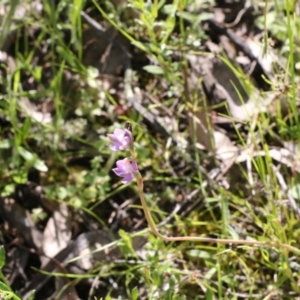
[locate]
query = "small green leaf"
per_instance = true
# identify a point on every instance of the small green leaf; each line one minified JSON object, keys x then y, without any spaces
{"x":62,"y":193}
{"x":28,"y":156}
{"x":153,"y":69}
{"x":127,"y":242}
{"x":210,"y":273}
{"x":2,"y":257}
{"x":134,"y":293}
{"x":78,"y":202}
{"x":8,"y":190}
{"x":32,"y":157}
{"x":90,"y":192}
{"x":5,"y":144}
{"x":294,"y":191}
{"x":92,"y":72}
{"x":169,"y":9}
{"x":199,"y":254}
{"x":20,"y":176}
{"x":40,"y":165}
{"x":124,"y":235}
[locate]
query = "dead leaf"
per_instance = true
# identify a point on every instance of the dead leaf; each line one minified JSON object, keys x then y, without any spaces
{"x":57,"y":233}
{"x":106,"y":51}
{"x":225,"y":149}
{"x":200,"y":123}
{"x":30,"y":110}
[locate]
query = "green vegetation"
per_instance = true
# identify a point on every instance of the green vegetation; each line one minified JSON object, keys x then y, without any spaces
{"x":218,"y":160}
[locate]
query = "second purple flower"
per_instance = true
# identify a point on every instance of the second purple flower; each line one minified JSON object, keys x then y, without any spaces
{"x":126,"y":168}
{"x":121,"y":139}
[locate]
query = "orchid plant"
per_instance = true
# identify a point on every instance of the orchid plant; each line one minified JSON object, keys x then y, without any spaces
{"x":127,"y":168}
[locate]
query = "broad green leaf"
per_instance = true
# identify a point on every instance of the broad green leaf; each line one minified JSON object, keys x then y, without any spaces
{"x":209,"y":294}
{"x":4,"y":287}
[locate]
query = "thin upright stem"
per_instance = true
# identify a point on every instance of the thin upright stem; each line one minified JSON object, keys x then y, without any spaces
{"x":154,"y":230}
{"x":203,"y":239}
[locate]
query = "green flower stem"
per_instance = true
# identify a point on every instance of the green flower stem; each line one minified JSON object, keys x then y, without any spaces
{"x":202,"y":239}
{"x":132,"y":152}
{"x":154,"y":230}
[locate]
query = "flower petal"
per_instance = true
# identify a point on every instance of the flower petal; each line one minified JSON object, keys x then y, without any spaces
{"x":128,"y":178}
{"x":118,"y":172}
{"x":118,"y":132}
{"x":133,"y":164}
{"x":128,"y":134}
{"x":112,"y":137}
{"x":115,"y":147}
{"x":121,"y":139}
{"x":122,"y":165}
{"x":126,"y":168}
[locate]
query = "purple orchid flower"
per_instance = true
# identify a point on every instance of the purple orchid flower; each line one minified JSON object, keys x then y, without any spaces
{"x":121,"y":139}
{"x":126,"y":168}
